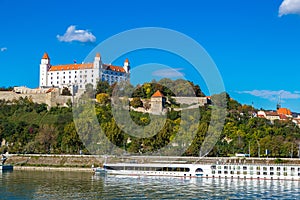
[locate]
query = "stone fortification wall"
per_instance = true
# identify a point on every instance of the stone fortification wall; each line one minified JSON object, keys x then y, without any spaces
{"x":192,"y":100}
{"x":51,"y":98}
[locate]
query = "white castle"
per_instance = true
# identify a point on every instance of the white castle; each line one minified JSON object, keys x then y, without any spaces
{"x":81,"y":74}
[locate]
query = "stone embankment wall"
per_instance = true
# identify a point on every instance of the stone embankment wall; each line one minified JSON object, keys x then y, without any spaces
{"x":87,"y":161}
{"x":58,"y":161}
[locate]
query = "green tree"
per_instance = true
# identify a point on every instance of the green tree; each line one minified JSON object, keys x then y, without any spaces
{"x":102,"y":98}
{"x":136,"y":102}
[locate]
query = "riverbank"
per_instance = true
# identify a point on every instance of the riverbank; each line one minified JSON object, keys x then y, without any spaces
{"x":48,"y":162}
{"x":57,"y":162}
{"x":33,"y":168}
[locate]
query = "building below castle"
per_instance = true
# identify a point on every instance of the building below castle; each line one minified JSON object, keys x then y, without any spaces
{"x":81,"y":74}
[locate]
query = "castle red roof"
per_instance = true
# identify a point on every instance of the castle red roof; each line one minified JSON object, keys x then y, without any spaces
{"x":74,"y":66}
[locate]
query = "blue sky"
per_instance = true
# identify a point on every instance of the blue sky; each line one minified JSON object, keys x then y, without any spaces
{"x":255,"y":44}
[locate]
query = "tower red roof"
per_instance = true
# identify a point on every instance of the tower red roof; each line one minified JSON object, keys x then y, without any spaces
{"x":45,"y":56}
{"x":157,"y":94}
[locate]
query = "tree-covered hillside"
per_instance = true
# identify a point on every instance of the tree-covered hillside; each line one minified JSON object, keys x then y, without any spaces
{"x":27,"y":127}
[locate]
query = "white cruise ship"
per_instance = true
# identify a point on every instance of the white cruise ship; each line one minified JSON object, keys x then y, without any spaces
{"x":227,"y":170}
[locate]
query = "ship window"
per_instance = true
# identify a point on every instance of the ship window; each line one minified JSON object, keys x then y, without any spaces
{"x":251,"y":168}
{"x":238,"y":172}
{"x":265,"y":168}
{"x":271,"y":168}
{"x":225,"y":172}
{"x":199,"y":170}
{"x":298,"y":174}
{"x":258,"y":173}
{"x":278,"y":168}
{"x":265,"y":173}
{"x":272,"y":173}
{"x":298,"y":169}
{"x":231,"y":172}
{"x":278,"y":173}
{"x":284,"y":173}
{"x":238,"y":167}
{"x":245,"y":172}
{"x":219,"y":167}
{"x":258,"y":168}
{"x":225,"y":167}
{"x":284,"y":168}
{"x":292,"y":169}
{"x":213,"y":172}
{"x":244,"y":168}
{"x":219,"y":172}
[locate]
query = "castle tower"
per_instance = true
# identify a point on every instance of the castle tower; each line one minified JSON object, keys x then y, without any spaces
{"x":158,"y":101}
{"x":126,"y":66}
{"x":97,"y":61}
{"x":44,"y":67}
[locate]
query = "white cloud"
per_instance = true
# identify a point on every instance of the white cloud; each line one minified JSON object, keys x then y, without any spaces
{"x":3,"y":49}
{"x":168,"y":73}
{"x":272,"y":95}
{"x":76,"y":35}
{"x":289,"y":7}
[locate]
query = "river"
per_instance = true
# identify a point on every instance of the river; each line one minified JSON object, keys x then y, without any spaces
{"x":85,"y":185}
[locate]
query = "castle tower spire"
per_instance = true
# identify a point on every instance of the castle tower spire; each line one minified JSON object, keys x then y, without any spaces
{"x":44,"y":67}
{"x":126,"y":65}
